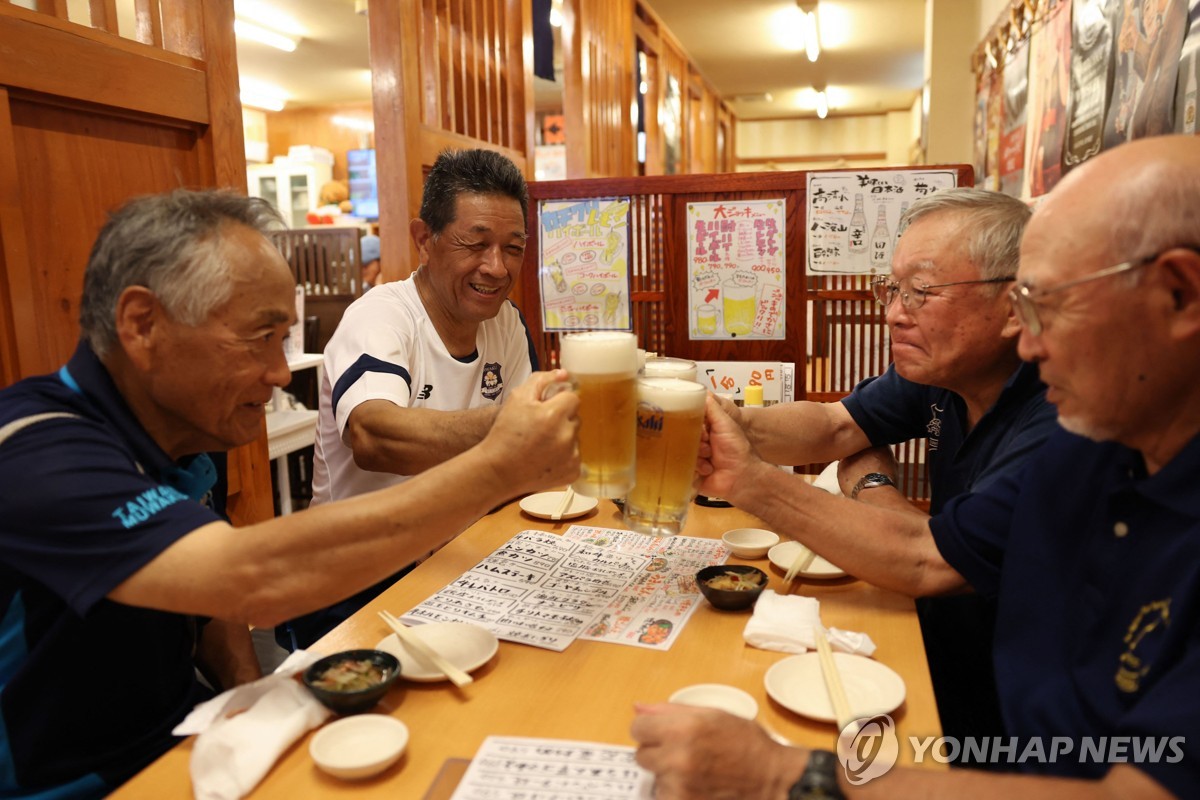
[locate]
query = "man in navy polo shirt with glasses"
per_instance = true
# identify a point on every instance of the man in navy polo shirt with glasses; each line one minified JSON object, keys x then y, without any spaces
{"x":116,"y":579}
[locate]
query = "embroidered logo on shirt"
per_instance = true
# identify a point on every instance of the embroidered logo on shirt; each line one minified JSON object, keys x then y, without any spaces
{"x":424,"y":393}
{"x":934,"y":428}
{"x":1134,"y":664}
{"x":493,"y":381}
{"x":146,"y":505}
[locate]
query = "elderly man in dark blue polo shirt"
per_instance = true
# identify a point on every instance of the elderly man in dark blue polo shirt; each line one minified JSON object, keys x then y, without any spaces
{"x":113,"y":572}
{"x":957,"y":381}
{"x":1092,"y":549}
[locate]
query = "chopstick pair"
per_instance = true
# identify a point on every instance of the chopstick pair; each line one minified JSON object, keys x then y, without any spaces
{"x":567,"y":499}
{"x":802,"y":561}
{"x":416,"y":644}
{"x":833,"y":680}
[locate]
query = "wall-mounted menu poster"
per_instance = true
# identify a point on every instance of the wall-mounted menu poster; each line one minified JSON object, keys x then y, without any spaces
{"x":584,"y":264}
{"x":736,"y":284}
{"x":853,"y":216}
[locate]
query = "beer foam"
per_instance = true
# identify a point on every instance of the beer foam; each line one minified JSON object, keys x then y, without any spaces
{"x":672,"y":394}
{"x":599,"y":353}
{"x":666,"y":367}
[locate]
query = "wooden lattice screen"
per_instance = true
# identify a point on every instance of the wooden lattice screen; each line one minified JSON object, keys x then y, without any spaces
{"x":836,"y":334}
{"x":327,"y":262}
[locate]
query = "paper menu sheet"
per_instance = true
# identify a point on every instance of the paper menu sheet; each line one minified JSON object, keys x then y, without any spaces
{"x":507,"y":768}
{"x":610,"y":585}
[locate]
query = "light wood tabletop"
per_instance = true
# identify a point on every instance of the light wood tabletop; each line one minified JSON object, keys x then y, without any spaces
{"x":584,"y":693}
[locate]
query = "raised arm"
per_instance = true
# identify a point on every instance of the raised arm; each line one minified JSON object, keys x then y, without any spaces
{"x":387,"y":438}
{"x":266,"y":573}
{"x":801,"y":432}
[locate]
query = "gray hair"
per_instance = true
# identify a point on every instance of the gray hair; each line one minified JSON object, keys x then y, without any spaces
{"x":168,"y":243}
{"x":1157,"y":208}
{"x":992,"y":223}
{"x":458,"y":172}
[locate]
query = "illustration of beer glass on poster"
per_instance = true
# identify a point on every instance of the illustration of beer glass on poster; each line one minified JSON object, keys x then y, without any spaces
{"x":584,"y":274}
{"x":853,"y":217}
{"x":736,"y":269}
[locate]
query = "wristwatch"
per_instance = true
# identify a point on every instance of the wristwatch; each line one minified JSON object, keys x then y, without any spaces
{"x":870,"y":481}
{"x":819,"y":781}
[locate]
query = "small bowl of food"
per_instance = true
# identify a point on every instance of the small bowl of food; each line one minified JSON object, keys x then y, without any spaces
{"x":359,"y":747}
{"x":352,"y":681}
{"x":749,"y":542}
{"x":731,"y":587}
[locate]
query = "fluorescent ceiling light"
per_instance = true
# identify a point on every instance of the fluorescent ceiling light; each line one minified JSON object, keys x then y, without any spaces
{"x":266,"y":16}
{"x":259,"y":94}
{"x":556,"y":15}
{"x":812,"y":36}
{"x":257,"y":33}
{"x":355,"y":123}
{"x":822,"y":104}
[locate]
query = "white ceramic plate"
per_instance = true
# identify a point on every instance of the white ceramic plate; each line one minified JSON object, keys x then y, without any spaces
{"x":796,"y":683}
{"x":464,"y":645}
{"x":718,"y":695}
{"x":544,"y":504}
{"x":359,"y":746}
{"x":783,"y":554}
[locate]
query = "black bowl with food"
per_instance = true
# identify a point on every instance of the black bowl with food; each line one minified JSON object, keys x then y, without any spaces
{"x":352,"y":681}
{"x":731,"y":587}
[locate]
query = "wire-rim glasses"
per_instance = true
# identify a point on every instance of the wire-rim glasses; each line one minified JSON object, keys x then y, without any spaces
{"x":885,"y":289}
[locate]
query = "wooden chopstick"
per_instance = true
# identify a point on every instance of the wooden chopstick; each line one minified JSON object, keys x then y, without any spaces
{"x":833,"y":680}
{"x":567,"y":498}
{"x":417,"y":645}
{"x":802,"y":561}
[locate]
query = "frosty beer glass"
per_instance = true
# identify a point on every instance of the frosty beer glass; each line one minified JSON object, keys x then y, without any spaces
{"x":670,"y":417}
{"x":664,"y":367}
{"x":603,"y":367}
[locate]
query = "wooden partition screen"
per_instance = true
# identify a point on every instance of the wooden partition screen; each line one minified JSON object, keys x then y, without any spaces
{"x":327,"y":262}
{"x":95,"y":108}
{"x":835,"y":332}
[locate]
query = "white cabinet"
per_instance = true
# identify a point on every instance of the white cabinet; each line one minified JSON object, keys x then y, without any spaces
{"x":293,"y":187}
{"x":290,"y":430}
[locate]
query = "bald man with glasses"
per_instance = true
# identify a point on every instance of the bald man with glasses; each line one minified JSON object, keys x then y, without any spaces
{"x":1092,"y":549}
{"x":957,"y":381}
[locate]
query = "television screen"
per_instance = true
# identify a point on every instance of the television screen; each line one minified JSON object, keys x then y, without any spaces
{"x":364,"y":190}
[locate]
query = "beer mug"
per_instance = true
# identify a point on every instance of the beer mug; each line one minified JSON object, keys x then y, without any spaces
{"x":664,"y":367}
{"x":670,"y":417}
{"x":603,"y":367}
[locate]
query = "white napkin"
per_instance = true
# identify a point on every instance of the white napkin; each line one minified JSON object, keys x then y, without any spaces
{"x":785,"y":623}
{"x":828,"y":480}
{"x":244,"y":730}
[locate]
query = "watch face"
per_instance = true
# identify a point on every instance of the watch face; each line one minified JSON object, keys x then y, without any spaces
{"x":819,"y":781}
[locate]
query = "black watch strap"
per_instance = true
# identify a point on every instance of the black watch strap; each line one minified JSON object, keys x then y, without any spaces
{"x":870,"y":481}
{"x":819,"y":781}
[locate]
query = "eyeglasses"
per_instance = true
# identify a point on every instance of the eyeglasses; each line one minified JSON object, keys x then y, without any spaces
{"x":885,"y":289}
{"x":1025,"y":299}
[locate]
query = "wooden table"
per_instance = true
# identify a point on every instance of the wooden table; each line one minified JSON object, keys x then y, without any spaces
{"x":586,"y":692}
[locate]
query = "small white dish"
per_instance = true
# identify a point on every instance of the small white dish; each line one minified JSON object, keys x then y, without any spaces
{"x":464,"y":645}
{"x":749,"y":542}
{"x":783,"y":554}
{"x":718,"y":695}
{"x":796,"y":683}
{"x":360,"y":746}
{"x":544,"y":504}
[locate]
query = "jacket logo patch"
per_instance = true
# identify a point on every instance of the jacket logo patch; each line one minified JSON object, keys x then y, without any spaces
{"x":493,"y":381}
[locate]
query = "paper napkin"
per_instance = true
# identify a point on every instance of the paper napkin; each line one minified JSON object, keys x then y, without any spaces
{"x":785,"y":623}
{"x":828,"y":480}
{"x":244,"y":730}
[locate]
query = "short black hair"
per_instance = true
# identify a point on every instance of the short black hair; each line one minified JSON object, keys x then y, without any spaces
{"x":458,"y":172}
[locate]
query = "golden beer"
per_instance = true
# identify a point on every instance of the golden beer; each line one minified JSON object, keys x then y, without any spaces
{"x":603,"y":367}
{"x":670,"y":418}
{"x":664,"y":367}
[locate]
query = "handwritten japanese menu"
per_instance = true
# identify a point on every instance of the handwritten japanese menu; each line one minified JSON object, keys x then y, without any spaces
{"x":519,"y":768}
{"x":778,"y":378}
{"x":584,"y":274}
{"x":736,"y":276}
{"x":854,"y":217}
{"x":602,"y":584}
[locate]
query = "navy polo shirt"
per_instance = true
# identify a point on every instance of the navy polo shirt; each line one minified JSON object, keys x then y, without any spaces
{"x":1096,"y":569}
{"x":89,"y":688}
{"x":958,"y":630}
{"x":891,"y":410}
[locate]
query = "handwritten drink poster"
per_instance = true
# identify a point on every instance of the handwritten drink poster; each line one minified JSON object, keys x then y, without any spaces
{"x":736,"y":269}
{"x":584,"y":273}
{"x":853,"y":217}
{"x":604,"y":584}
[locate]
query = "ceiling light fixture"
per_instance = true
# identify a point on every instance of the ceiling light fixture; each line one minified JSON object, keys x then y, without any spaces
{"x":822,"y":103}
{"x":812,"y":33}
{"x":258,"y":94}
{"x":556,"y":14}
{"x":257,"y":33}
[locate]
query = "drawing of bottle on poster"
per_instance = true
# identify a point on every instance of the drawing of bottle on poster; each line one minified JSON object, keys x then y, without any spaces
{"x":854,"y":217}
{"x":584,"y":273}
{"x":736,"y":269}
